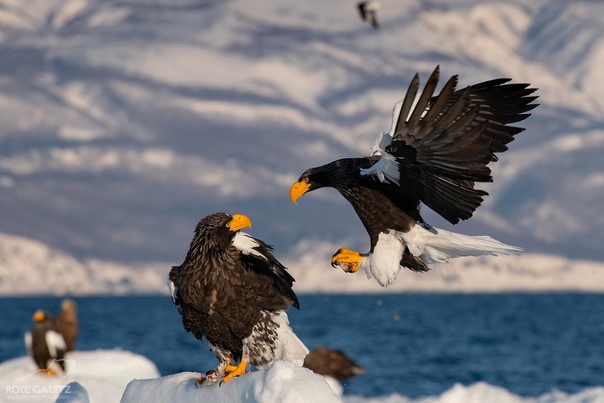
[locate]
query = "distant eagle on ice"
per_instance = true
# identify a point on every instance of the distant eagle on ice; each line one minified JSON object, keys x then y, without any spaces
{"x":434,"y":153}
{"x":67,"y":323}
{"x":45,"y":344}
{"x":232,"y":291}
{"x":335,"y":363}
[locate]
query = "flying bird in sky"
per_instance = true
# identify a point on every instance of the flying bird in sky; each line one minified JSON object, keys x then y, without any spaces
{"x":233,"y":292}
{"x":45,"y":344}
{"x":434,"y":153}
{"x":368,"y":12}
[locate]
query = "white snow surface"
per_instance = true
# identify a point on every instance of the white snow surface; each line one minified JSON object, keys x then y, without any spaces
{"x":282,"y":382}
{"x":102,"y":375}
{"x":112,"y":376}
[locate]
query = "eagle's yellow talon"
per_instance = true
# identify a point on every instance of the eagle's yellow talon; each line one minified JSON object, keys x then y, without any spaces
{"x":231,"y":371}
{"x":347,"y":259}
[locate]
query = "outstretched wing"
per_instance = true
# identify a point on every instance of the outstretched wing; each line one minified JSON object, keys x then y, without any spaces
{"x":257,"y":256}
{"x":444,"y":144}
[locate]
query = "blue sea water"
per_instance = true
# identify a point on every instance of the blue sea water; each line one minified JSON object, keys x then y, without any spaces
{"x":411,"y":344}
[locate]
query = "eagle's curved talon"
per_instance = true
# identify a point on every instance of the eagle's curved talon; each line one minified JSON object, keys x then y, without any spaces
{"x":347,"y":259}
{"x":233,"y":372}
{"x":199,"y":381}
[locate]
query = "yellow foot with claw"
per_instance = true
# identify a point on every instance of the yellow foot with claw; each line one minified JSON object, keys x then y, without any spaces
{"x":232,"y":371}
{"x":347,"y":259}
{"x":47,"y":372}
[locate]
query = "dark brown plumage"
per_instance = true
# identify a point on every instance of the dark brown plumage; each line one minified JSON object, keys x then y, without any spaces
{"x":232,"y":291}
{"x":45,"y":344}
{"x":67,"y":323}
{"x":433,"y":154}
{"x":327,"y":362}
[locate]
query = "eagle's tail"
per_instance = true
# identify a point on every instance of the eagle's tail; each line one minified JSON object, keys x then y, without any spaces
{"x":289,"y":346}
{"x":435,"y":245}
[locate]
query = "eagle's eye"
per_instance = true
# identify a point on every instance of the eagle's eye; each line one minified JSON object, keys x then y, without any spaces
{"x":306,"y":180}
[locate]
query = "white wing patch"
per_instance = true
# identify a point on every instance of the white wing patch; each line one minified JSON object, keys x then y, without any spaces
{"x":247,"y":244}
{"x":173,"y":290}
{"x":55,"y":343}
{"x":383,"y":140}
{"x":386,"y":169}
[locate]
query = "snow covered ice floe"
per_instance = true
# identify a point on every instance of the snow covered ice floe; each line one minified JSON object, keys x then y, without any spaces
{"x":110,"y":376}
{"x":482,"y":392}
{"x":286,"y":383}
{"x":282,"y":382}
{"x":95,"y":376}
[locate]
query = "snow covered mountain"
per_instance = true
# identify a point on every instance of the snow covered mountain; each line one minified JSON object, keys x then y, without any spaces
{"x":122,"y":123}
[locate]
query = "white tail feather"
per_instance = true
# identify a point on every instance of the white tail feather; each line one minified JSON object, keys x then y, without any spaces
{"x":290,"y":347}
{"x":434,"y":245}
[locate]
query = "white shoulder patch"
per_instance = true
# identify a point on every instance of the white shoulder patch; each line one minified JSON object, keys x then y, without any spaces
{"x":386,"y":169}
{"x":55,"y":342}
{"x":173,"y":290}
{"x":246,"y":244}
{"x":383,"y":140}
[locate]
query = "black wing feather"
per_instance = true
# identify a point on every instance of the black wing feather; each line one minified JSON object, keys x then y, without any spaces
{"x":269,"y":265}
{"x":444,"y":152}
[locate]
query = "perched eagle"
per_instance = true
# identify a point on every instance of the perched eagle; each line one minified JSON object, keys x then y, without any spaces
{"x":327,"y":362}
{"x":232,"y":290}
{"x":45,"y":344}
{"x":368,"y":12}
{"x":67,"y":323}
{"x":433,"y":153}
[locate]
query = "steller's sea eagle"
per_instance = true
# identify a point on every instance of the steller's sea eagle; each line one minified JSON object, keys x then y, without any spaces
{"x":433,"y":153}
{"x":67,"y":323}
{"x":233,"y":292}
{"x":335,"y":363}
{"x":45,"y":344}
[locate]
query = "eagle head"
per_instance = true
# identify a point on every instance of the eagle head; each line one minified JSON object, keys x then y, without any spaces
{"x":220,"y":228}
{"x":338,"y":174}
{"x":40,"y":316}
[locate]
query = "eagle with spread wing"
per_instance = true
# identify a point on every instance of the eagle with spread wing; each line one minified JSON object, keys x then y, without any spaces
{"x":434,"y":153}
{"x":233,"y":292}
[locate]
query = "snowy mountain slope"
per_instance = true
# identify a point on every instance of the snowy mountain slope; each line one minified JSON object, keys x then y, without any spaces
{"x":30,"y":267}
{"x":123,"y":123}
